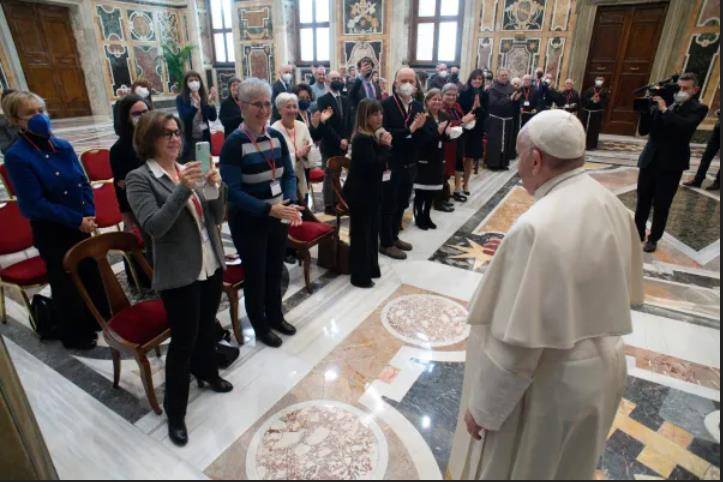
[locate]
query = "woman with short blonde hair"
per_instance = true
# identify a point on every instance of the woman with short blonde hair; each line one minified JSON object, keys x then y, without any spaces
{"x":298,"y":138}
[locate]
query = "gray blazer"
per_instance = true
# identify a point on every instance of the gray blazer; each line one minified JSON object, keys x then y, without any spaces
{"x":160,"y":206}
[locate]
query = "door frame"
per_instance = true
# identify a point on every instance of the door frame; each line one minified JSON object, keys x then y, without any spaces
{"x":667,"y":53}
{"x":90,"y":62}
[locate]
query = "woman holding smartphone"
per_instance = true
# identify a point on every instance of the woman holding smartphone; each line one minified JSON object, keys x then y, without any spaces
{"x":368,"y":170}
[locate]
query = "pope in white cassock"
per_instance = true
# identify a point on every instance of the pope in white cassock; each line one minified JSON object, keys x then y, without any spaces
{"x":545,"y":368}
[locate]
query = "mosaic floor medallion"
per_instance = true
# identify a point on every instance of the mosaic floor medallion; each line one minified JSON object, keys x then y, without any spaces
{"x":427,"y":321}
{"x":318,"y":440}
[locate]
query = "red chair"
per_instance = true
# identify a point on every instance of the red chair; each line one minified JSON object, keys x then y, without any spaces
{"x":5,"y":178}
{"x":15,"y":236}
{"x":217,"y":140}
{"x":304,"y":237}
{"x":96,"y":163}
{"x":131,"y":329}
{"x":233,"y":280}
{"x":107,"y":210}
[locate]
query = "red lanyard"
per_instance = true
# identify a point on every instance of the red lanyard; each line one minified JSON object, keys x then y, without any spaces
{"x":401,"y":110}
{"x":528,"y":91}
{"x":269,"y":160}
{"x":50,"y":143}
{"x":194,"y":199}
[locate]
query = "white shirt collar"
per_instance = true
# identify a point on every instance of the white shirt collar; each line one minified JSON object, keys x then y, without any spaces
{"x":546,"y":188}
{"x":156,"y":168}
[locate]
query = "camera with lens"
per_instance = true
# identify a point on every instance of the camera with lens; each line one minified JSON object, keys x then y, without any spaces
{"x":665,"y":89}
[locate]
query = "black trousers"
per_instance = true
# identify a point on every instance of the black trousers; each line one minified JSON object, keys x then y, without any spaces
{"x":192,"y":317}
{"x":711,"y":150}
{"x":423,"y":201}
{"x":53,"y":241}
{"x":364,"y":249}
{"x":261,"y":242}
{"x":656,"y":190}
{"x":396,"y":195}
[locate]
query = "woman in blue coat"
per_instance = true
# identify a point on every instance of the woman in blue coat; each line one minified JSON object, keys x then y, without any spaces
{"x":55,"y":195}
{"x":196,"y":108}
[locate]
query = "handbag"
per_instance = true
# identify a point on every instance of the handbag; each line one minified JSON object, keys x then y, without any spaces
{"x":44,"y":319}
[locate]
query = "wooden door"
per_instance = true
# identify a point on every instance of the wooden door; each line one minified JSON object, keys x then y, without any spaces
{"x":46,"y":44}
{"x":623,"y":48}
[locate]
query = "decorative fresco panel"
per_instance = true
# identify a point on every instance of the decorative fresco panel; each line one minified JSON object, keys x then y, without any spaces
{"x":488,"y":15}
{"x":141,"y":25}
{"x":484,"y":53}
{"x":709,"y":13}
{"x":149,"y":65}
{"x":110,"y":23}
{"x":553,"y":59}
{"x":223,"y":77}
{"x":3,"y":78}
{"x":363,"y":17}
{"x":355,"y":51}
{"x":524,"y":14}
{"x":255,"y":23}
{"x":204,"y":25}
{"x":258,"y":61}
{"x":561,"y":15}
{"x":118,"y":65}
{"x":519,"y":55}
{"x":700,"y":59}
{"x":170,"y":28}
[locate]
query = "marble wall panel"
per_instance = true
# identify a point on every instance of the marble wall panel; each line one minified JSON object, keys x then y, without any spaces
{"x":149,"y":65}
{"x":170,"y":28}
{"x":363,"y":17}
{"x":355,"y":51}
{"x":709,"y":13}
{"x":118,"y":66}
{"x":110,"y":22}
{"x":258,"y":61}
{"x":488,"y":17}
{"x":255,"y":24}
{"x":561,"y":15}
{"x":204,"y":27}
{"x":701,"y":56}
{"x":554,"y":56}
{"x":524,"y":14}
{"x":519,"y":55}
{"x":485,"y":51}
{"x":141,"y":25}
{"x":223,"y":77}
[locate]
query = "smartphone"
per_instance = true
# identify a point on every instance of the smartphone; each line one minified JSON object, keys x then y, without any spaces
{"x":203,"y":155}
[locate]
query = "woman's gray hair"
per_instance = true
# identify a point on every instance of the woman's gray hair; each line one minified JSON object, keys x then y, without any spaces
{"x":448,"y":87}
{"x":284,"y":98}
{"x":252,"y":88}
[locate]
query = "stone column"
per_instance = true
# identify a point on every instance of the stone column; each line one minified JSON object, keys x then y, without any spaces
{"x":399,"y":36}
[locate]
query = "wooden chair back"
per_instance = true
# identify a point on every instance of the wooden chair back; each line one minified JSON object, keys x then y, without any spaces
{"x":336,"y":166}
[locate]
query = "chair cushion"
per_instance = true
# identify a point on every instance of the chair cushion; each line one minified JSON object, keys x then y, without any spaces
{"x":140,"y":323}
{"x":26,"y":273}
{"x":234,"y":274}
{"x":309,"y":232}
{"x":316,"y":175}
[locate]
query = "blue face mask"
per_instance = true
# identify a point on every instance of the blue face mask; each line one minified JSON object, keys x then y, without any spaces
{"x":39,"y":124}
{"x":304,"y":104}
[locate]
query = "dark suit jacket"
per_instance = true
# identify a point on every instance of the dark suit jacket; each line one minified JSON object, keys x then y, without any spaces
{"x":357,"y":92}
{"x":405,"y":145}
{"x":363,"y":187}
{"x":278,"y":88}
{"x":337,"y":128}
{"x":230,"y":115}
{"x":668,"y":147}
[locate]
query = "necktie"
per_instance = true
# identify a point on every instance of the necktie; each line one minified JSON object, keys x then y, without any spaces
{"x":338,"y":103}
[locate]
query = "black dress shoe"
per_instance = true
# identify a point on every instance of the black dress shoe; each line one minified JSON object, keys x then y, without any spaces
{"x":270,"y":339}
{"x":219,"y":385}
{"x":467,"y":193}
{"x":291,"y":259}
{"x":444,"y":208}
{"x":284,"y":328}
{"x":177,"y":432}
{"x":693,"y":183}
{"x":364,"y":285}
{"x":650,"y":247}
{"x":714,"y":187}
{"x":422,"y":225}
{"x":431,"y":224}
{"x":459,"y":197}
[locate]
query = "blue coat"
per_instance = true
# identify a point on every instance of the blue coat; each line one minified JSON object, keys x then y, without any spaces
{"x":186,"y":111}
{"x":50,"y":186}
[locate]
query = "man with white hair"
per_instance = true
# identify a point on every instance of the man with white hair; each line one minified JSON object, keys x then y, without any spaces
{"x":320,"y":86}
{"x":545,"y":370}
{"x":568,"y":98}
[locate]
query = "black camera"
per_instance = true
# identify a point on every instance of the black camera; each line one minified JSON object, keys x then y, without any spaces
{"x":665,"y":89}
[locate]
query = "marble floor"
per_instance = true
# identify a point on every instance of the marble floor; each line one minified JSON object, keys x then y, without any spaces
{"x":370,"y":386}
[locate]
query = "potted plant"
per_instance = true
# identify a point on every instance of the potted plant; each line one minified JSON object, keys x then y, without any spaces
{"x":176,"y":58}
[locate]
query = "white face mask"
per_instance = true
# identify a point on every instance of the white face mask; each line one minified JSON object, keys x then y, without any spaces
{"x":287,"y":78}
{"x":444,"y":74}
{"x":142,"y":92}
{"x":407,"y":90}
{"x":681,"y":97}
{"x":599,"y":83}
{"x":194,"y":85}
{"x":135,"y":120}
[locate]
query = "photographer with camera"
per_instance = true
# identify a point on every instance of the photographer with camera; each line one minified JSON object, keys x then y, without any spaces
{"x":711,"y":150}
{"x":666,"y":156}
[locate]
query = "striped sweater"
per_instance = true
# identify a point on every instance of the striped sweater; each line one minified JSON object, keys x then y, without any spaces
{"x":246,"y":171}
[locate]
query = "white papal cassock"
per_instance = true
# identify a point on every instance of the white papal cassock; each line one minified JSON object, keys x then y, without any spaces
{"x":545,"y":366}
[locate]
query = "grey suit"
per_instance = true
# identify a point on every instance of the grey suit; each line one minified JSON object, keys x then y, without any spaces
{"x":161,"y":209}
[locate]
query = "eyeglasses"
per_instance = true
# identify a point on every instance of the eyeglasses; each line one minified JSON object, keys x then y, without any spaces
{"x":138,"y":113}
{"x":171,"y":134}
{"x":260,"y":105}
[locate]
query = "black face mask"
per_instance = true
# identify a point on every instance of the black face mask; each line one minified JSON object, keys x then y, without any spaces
{"x":337,"y":86}
{"x":540,"y":74}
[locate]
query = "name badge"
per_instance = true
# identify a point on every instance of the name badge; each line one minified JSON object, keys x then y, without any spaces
{"x":527,"y":103}
{"x":441,"y":145}
{"x":409,"y":136}
{"x":387,"y":176}
{"x":276,"y":188}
